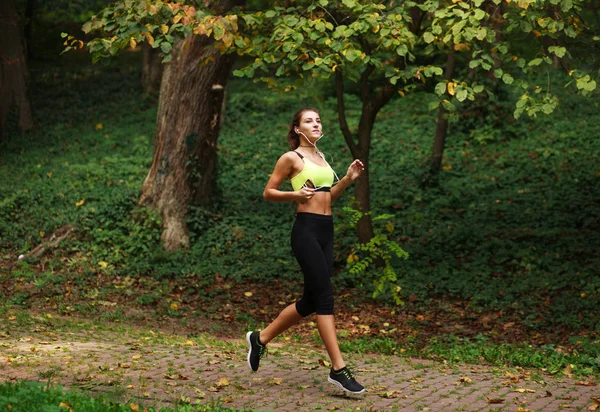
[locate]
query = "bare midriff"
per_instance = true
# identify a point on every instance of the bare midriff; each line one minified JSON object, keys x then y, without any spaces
{"x":319,"y":204}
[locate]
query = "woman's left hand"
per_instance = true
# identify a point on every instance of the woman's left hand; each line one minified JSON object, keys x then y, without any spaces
{"x":355,"y":169}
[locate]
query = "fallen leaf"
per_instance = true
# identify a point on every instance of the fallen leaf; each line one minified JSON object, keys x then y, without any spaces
{"x":495,"y":400}
{"x":523,"y":410}
{"x":323,"y":362}
{"x":248,"y":294}
{"x":568,"y":371}
{"x":65,"y":405}
{"x":508,"y":325}
{"x":174,"y":306}
{"x":222,"y":383}
{"x":124,"y":365}
{"x":524,"y":390}
{"x":199,"y":393}
{"x":587,"y":383}
{"x":134,"y":407}
{"x":466,"y":379}
{"x":277,"y":381}
{"x":80,"y":203}
{"x":391,"y":394}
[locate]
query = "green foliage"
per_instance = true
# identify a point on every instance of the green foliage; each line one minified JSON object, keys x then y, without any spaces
{"x":548,"y":357}
{"x":512,"y":226}
{"x":33,"y":396}
{"x":377,"y":255}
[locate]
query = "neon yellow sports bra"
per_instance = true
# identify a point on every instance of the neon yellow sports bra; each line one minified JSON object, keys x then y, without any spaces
{"x":321,"y":176}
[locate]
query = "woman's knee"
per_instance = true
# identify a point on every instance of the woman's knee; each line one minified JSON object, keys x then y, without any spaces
{"x":305,"y":307}
{"x":325,"y":304}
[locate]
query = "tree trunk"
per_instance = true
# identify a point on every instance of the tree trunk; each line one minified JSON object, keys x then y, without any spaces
{"x":29,"y":12}
{"x":14,"y":75}
{"x":152,"y":70}
{"x":187,"y":126}
{"x":442,"y":120}
{"x":360,"y":149}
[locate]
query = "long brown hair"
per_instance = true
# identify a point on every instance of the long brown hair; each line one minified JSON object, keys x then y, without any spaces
{"x":293,"y":138}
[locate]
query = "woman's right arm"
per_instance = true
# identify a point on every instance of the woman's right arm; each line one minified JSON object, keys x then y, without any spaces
{"x":284,"y":168}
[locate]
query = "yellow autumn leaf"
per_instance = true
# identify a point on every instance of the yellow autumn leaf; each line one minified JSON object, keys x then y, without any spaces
{"x":177,"y":18}
{"x":103,"y":264}
{"x":524,"y":390}
{"x":149,"y":38}
{"x":447,"y":167}
{"x":462,"y":47}
{"x":49,"y":174}
{"x":132,"y":43}
{"x":222,"y":382}
{"x":99,"y":126}
{"x":80,"y":203}
{"x":134,"y":407}
{"x":164,"y":28}
{"x":277,"y":381}
{"x":248,"y":294}
{"x":189,"y":343}
{"x":323,"y":362}
{"x":174,"y":306}
{"x":65,"y":405}
{"x":451,"y":88}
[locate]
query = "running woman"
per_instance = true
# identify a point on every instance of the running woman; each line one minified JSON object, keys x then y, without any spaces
{"x":312,"y":181}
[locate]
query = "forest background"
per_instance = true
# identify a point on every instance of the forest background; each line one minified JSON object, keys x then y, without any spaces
{"x":503,"y":240}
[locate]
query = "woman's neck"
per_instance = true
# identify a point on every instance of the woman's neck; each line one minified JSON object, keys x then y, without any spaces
{"x":308,"y":148}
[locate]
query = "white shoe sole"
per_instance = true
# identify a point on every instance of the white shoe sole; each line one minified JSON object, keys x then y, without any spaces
{"x":339,"y":385}
{"x":249,"y":350}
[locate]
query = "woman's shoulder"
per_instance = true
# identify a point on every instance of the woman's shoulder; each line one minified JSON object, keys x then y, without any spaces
{"x":290,"y":156}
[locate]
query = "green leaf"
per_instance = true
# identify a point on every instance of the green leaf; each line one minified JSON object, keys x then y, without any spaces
{"x":402,"y":50}
{"x":434,"y":105}
{"x":479,"y":14}
{"x":353,"y":54}
{"x":440,"y":88}
{"x":508,"y":79}
{"x":566,"y":5}
{"x":559,"y":51}
{"x":448,"y":106}
{"x":349,"y":3}
{"x":428,"y":37}
{"x":481,"y":33}
{"x":461,"y":95}
{"x":535,"y":62}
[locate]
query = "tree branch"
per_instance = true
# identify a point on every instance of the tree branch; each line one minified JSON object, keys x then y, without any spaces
{"x":364,"y":83}
{"x":339,"y":91}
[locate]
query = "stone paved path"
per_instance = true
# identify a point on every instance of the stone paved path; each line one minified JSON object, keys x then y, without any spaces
{"x":156,"y":369}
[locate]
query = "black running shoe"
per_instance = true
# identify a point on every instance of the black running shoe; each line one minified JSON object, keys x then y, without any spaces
{"x":344,"y":379}
{"x":256,"y":350}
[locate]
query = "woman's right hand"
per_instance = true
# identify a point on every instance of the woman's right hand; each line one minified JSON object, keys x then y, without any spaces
{"x":305,"y":194}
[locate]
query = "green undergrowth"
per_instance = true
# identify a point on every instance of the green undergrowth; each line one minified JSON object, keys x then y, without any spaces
{"x":511,"y":224}
{"x":26,"y":396}
{"x":583,"y":361}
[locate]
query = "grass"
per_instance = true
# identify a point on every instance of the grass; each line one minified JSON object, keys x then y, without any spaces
{"x":33,"y":396}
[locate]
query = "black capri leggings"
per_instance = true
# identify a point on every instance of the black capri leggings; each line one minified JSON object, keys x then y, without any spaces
{"x":312,"y":244}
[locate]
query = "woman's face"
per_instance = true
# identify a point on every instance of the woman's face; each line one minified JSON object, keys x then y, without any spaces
{"x":310,"y":126}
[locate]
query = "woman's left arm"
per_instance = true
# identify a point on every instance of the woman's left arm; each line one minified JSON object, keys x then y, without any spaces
{"x":354,"y":171}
